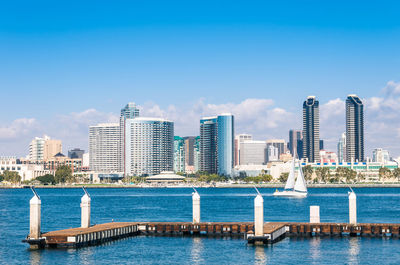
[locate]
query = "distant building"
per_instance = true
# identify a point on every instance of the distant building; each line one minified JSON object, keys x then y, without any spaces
{"x":208,"y":145}
{"x":75,"y":164}
{"x":196,"y":154}
{"x":294,"y":137}
{"x":225,"y":140}
{"x":217,"y":144}
{"x":342,"y":148}
{"x":36,"y":148}
{"x":321,"y":144}
{"x":311,"y":129}
{"x":179,"y":154}
{"x":380,"y":155}
{"x":354,"y":129}
{"x":328,"y":157}
{"x":239,"y":139}
{"x":51,"y":148}
{"x":299,"y":149}
{"x":272,"y":153}
{"x":149,"y":146}
{"x":252,"y":152}
{"x":130,"y":111}
{"x":104,"y":146}
{"x":26,"y":170}
{"x":280,"y":144}
{"x":76,"y":153}
{"x":189,"y":149}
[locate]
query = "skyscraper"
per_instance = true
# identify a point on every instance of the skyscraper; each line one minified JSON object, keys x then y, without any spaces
{"x":149,"y":146}
{"x":342,"y":148}
{"x":104,"y":146}
{"x":294,"y":136}
{"x":130,"y":111}
{"x":217,"y":144}
{"x":36,"y":148}
{"x":208,"y":145}
{"x":311,"y":129}
{"x":354,"y":129}
{"x":225,"y":138}
{"x":189,"y":148}
{"x":179,"y":154}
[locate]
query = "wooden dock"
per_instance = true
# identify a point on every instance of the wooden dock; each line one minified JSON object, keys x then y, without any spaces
{"x":273,"y":232}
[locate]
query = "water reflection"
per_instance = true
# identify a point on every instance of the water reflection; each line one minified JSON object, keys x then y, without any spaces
{"x":259,"y":255}
{"x":35,"y":256}
{"x":354,"y":250}
{"x":197,"y":250}
{"x":315,"y":249}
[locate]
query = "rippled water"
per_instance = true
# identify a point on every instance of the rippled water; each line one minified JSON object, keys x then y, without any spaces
{"x":60,"y":209}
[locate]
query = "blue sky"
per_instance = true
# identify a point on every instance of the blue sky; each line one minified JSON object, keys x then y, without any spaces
{"x":61,"y":59}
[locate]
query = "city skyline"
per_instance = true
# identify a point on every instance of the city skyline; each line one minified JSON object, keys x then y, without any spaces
{"x":248,"y":114}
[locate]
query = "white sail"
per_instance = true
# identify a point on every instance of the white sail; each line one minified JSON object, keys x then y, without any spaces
{"x":300,"y":181}
{"x":291,"y":177}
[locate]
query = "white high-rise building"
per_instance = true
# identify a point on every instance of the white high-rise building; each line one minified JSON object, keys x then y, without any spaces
{"x":252,"y":152}
{"x":272,"y":153}
{"x":149,"y":146}
{"x":104,"y":146}
{"x":36,"y":148}
{"x":380,"y":155}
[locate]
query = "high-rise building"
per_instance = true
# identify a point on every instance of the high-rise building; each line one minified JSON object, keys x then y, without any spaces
{"x":179,"y":154}
{"x":252,"y":152}
{"x":380,"y":155}
{"x":272,"y":153}
{"x":294,"y":136}
{"x":342,"y":148}
{"x":104,"y":147}
{"x":36,"y":148}
{"x":217,"y":144}
{"x":280,"y":144}
{"x":208,"y":145}
{"x":196,"y":154}
{"x":238,"y":140}
{"x":225,"y":149}
{"x":189,"y":146}
{"x":130,"y":111}
{"x":149,"y":146}
{"x":354,"y":129}
{"x":300,"y":148}
{"x":76,"y":153}
{"x":311,"y":129}
{"x":321,"y":144}
{"x":51,"y":148}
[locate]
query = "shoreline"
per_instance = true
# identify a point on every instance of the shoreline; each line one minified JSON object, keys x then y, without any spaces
{"x":217,"y":185}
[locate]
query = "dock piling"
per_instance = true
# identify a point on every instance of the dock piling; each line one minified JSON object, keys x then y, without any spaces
{"x":314,"y":214}
{"x":196,"y":207}
{"x":85,"y":209}
{"x":35,"y":218}
{"x":259,"y":215}
{"x":352,"y":208}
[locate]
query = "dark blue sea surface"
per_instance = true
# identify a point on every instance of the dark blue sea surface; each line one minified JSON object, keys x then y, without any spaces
{"x":61,"y":209}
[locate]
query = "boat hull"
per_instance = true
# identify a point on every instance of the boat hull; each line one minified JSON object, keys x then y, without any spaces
{"x":290,"y":193}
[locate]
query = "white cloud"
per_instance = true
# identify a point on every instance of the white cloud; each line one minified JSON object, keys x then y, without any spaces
{"x":18,"y":128}
{"x":260,"y":117}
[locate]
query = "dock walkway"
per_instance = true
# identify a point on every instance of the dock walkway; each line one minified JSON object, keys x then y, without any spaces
{"x":273,"y":231}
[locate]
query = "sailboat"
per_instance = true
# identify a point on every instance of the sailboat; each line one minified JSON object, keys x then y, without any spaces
{"x":294,"y":188}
